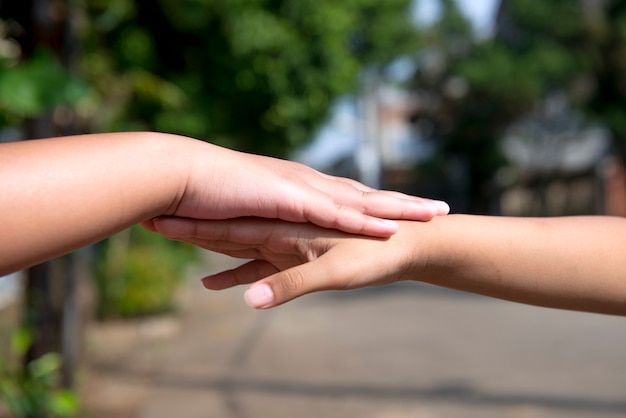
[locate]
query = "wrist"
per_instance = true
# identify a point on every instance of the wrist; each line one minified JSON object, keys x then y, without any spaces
{"x":154,"y":168}
{"x":436,"y":242}
{"x":174,"y":158}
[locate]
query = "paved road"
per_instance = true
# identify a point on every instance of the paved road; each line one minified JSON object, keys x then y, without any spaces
{"x":407,"y":350}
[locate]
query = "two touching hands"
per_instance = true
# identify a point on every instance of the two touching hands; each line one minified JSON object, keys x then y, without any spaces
{"x":245,"y":218}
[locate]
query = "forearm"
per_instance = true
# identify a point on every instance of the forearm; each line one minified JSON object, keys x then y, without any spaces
{"x":570,"y":262}
{"x":63,"y":193}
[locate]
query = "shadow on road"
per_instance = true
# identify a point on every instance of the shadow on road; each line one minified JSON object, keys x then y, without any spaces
{"x":452,"y":392}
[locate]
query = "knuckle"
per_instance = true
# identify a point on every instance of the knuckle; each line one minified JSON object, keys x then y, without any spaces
{"x":293,"y":283}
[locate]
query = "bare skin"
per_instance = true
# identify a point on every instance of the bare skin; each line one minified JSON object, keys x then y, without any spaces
{"x":61,"y":194}
{"x":574,"y":263}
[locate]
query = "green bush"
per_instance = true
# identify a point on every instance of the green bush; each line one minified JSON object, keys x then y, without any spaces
{"x":33,"y":391}
{"x":138,"y":273}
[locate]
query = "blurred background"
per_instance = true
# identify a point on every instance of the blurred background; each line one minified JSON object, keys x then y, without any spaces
{"x":506,"y":107}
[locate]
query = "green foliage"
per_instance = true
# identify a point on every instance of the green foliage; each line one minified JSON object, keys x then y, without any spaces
{"x":138,"y":273}
{"x":582,"y":55}
{"x":257,"y":75}
{"x":34,"y":390}
{"x":540,"y":48}
{"x":559,"y":18}
{"x":36,"y":86}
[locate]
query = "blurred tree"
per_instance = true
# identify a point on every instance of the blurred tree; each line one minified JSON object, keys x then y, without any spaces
{"x":37,"y":91}
{"x":476,"y":88}
{"x":601,"y":89}
{"x":455,"y":111}
{"x":257,"y":75}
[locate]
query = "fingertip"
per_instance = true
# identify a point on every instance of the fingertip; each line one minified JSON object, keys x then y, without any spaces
{"x":375,"y":227}
{"x":387,"y":227}
{"x":149,"y":225}
{"x":442,"y":207}
{"x":259,"y":296}
{"x":427,"y":210}
{"x":219,"y":281}
{"x":172,"y":227}
{"x":208,"y":283}
{"x":160,"y":224}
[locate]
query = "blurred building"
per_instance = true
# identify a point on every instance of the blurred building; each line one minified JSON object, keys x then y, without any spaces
{"x":559,"y":164}
{"x":369,"y":138}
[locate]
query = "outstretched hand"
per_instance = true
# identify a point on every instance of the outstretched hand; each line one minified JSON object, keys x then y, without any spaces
{"x":291,"y":260}
{"x":239,"y":184}
{"x":527,"y":260}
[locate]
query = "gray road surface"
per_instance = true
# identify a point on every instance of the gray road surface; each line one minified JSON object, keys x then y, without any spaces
{"x":406,"y":350}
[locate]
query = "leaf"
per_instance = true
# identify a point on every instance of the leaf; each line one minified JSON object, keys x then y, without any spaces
{"x":64,"y":403}
{"x":21,"y":340}
{"x":38,"y":85}
{"x":45,"y":366}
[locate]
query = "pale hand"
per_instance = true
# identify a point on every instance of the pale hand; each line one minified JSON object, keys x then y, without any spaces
{"x":237,"y":184}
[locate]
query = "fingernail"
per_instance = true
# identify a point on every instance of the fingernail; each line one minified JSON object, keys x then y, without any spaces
{"x":442,"y":207}
{"x":259,"y":296}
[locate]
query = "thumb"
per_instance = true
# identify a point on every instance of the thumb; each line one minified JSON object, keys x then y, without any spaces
{"x":292,"y":283}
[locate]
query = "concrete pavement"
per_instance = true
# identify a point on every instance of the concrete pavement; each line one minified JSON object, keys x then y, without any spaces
{"x":406,"y":350}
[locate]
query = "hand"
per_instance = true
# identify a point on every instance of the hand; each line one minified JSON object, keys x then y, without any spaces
{"x":126,"y":178}
{"x":236,"y":184}
{"x":291,"y":260}
{"x":566,"y":262}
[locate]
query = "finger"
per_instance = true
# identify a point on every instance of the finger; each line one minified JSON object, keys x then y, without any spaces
{"x":241,"y":230}
{"x":346,"y":205}
{"x":286,"y":285}
{"x":232,"y":250}
{"x":367,"y":213}
{"x":442,"y":208}
{"x":322,"y":210}
{"x":351,"y":221}
{"x":149,"y":225}
{"x":244,"y":274}
{"x":246,"y":232}
{"x":394,"y":205}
